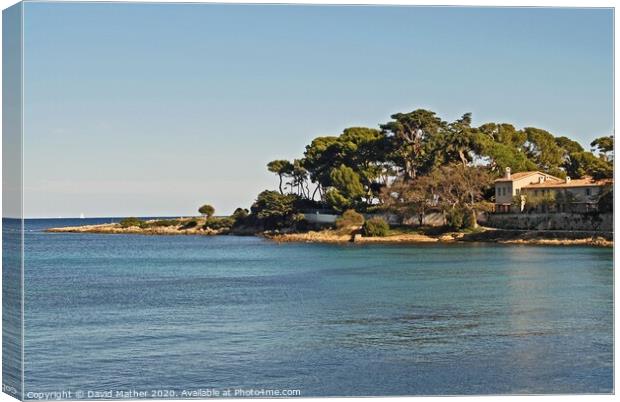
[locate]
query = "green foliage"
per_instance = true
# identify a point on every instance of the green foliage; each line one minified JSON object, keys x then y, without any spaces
{"x":411,"y":198}
{"x":455,"y":218}
{"x":349,"y":220}
{"x":319,"y":158}
{"x":282,"y":168}
{"x":544,"y":202}
{"x":132,"y":222}
{"x":456,"y":142}
{"x":347,"y":182}
{"x":336,"y":200}
{"x":469,"y":219}
{"x":274,"y":210}
{"x":299,"y":222}
{"x":585,"y":163}
{"x":604,"y":146}
{"x":375,"y":227}
{"x":240,"y":213}
{"x":361,"y":149}
{"x":347,"y":188}
{"x":568,"y":145}
{"x":219,"y":223}
{"x":411,"y":135}
{"x":189,"y":224}
{"x":206,"y":210}
{"x":503,"y":156}
{"x":165,"y":223}
{"x":461,"y":218}
{"x":447,"y":188}
{"x":543,"y":150}
{"x":418,"y":162}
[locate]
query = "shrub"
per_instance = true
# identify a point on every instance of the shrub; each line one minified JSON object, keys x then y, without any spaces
{"x":469,"y":219}
{"x":130,"y":222}
{"x":300,"y":223}
{"x":165,"y":222}
{"x":219,"y":223}
{"x":455,"y":218}
{"x":190,"y":224}
{"x":349,"y":219}
{"x":375,"y":227}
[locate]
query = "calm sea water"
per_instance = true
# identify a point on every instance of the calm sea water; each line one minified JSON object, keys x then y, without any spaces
{"x":144,"y":313}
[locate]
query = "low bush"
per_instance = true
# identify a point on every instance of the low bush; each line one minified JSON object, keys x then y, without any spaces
{"x":349,"y":219}
{"x":190,"y":224}
{"x":131,"y":222}
{"x":299,"y":223}
{"x":165,"y":223}
{"x":375,"y":227}
{"x":219,"y":223}
{"x":455,"y":218}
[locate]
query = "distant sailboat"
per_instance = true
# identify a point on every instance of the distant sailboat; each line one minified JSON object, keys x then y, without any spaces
{"x":82,"y":215}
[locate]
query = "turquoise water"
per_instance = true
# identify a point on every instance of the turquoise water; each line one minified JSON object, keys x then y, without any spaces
{"x":130,"y":312}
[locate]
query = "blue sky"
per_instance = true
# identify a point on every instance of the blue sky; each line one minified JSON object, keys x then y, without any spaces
{"x":154,"y":109}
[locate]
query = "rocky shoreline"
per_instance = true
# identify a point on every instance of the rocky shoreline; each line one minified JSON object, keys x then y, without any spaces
{"x":117,"y":228}
{"x":486,"y":235}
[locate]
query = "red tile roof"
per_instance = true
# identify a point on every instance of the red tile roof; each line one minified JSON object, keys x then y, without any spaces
{"x":585,"y":182}
{"x":522,"y":175}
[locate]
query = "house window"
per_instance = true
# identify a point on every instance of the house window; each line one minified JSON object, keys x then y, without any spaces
{"x":588,"y":192}
{"x":518,"y":191}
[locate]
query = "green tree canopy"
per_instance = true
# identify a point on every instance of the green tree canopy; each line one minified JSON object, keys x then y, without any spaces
{"x":206,"y":210}
{"x":347,"y":182}
{"x":568,"y":145}
{"x":456,"y":142}
{"x":543,"y":150}
{"x":282,"y":168}
{"x":273,"y":209}
{"x":587,"y":164}
{"x":604,"y":146}
{"x":411,"y":134}
{"x":362,"y":166}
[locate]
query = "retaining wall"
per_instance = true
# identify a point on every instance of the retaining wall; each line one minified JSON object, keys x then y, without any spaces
{"x":552,"y":221}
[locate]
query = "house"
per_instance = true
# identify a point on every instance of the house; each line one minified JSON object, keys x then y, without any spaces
{"x":569,"y":195}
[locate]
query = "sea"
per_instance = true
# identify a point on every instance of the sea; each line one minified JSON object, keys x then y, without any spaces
{"x":134,"y":316}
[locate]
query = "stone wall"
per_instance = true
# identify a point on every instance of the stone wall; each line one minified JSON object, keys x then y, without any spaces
{"x":552,"y":221}
{"x":430,"y":219}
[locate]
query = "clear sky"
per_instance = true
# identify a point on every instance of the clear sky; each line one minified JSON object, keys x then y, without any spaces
{"x":154,"y":109}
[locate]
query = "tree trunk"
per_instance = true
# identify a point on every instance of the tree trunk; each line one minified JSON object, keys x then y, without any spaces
{"x":462,"y":156}
{"x":280,"y":186}
{"x":314,"y":192}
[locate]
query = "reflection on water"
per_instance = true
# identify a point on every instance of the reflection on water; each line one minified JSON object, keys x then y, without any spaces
{"x":146,"y":312}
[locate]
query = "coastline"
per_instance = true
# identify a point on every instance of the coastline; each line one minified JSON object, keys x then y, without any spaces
{"x":116,"y":228}
{"x":484,"y":235}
